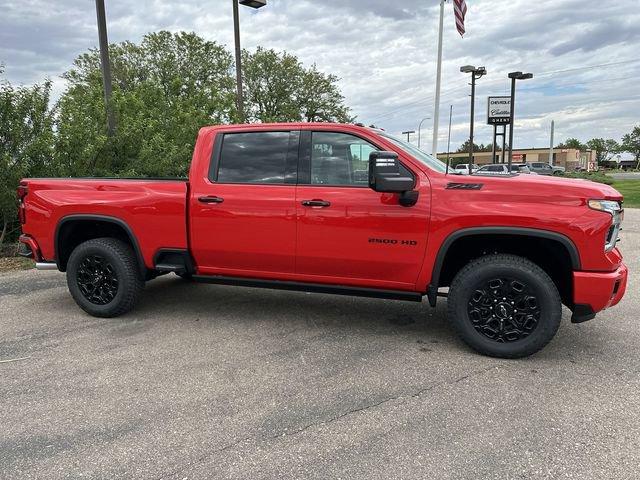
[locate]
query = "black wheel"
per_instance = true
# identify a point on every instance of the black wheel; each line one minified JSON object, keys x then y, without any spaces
{"x":504,"y":306}
{"x":103,"y":277}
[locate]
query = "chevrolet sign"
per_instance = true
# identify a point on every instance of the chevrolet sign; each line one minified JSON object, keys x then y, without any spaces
{"x":498,"y":110}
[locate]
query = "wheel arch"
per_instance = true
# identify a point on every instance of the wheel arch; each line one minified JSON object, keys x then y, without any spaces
{"x":501,"y":233}
{"x":72,"y":230}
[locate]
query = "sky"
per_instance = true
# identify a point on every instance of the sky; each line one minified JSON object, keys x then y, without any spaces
{"x":583,"y":54}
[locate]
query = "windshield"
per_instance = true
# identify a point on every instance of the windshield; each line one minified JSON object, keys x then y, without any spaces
{"x":422,"y":157}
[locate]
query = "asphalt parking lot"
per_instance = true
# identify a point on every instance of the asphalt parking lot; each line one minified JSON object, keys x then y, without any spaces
{"x":205,"y":381}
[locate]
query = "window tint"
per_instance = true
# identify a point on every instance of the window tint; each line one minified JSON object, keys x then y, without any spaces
{"x":256,"y":157}
{"x":339,"y":159}
{"x":494,"y":168}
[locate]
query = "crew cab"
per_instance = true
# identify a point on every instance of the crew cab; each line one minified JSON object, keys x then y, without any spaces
{"x":345,"y":209}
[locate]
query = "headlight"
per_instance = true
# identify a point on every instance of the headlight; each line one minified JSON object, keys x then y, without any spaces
{"x":609,"y":206}
{"x":614,"y":209}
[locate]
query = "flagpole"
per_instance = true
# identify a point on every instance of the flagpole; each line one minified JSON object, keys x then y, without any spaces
{"x":436,"y":109}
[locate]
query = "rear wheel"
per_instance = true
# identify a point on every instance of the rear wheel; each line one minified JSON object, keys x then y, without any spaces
{"x":504,"y":306}
{"x":103,"y":277}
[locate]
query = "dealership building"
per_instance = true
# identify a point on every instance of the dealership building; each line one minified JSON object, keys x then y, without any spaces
{"x":569,"y":158}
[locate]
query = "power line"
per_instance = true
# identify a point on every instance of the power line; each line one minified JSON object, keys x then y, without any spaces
{"x":427,"y":102}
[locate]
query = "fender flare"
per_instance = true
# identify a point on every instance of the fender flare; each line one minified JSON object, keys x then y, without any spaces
{"x":99,"y":218}
{"x":432,"y":289}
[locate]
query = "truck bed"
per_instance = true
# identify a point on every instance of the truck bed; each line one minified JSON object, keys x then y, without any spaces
{"x":154,"y":209}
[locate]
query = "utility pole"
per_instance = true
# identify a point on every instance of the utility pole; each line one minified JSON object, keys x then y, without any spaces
{"x":408,"y":134}
{"x":436,"y":108}
{"x":105,"y":66}
{"x":236,"y":32}
{"x":551,"y":144}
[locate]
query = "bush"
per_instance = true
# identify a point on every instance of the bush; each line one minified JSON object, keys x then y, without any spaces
{"x":599,"y":177}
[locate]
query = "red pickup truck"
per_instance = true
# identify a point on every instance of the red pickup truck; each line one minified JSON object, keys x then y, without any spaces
{"x":343,"y":209}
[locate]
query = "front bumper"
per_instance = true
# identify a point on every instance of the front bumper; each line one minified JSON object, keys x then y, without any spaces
{"x":596,"y":291}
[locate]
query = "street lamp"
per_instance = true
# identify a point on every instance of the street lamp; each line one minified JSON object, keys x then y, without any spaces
{"x":476,"y":73}
{"x":514,"y":76}
{"x":236,"y":29}
{"x":420,"y":128}
{"x":408,"y":133}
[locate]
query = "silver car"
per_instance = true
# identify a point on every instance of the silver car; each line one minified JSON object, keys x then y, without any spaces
{"x":542,"y":168}
{"x":463,"y":168}
{"x":503,"y":169}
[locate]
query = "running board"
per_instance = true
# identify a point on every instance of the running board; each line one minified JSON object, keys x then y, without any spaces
{"x":166,"y":267}
{"x":310,"y":287}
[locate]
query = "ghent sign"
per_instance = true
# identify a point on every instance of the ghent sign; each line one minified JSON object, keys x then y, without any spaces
{"x":498,"y":110}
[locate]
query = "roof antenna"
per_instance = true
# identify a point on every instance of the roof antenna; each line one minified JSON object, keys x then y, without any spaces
{"x":449,"y":139}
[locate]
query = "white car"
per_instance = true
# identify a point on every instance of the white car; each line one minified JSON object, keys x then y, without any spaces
{"x":463,"y":168}
{"x":503,"y":169}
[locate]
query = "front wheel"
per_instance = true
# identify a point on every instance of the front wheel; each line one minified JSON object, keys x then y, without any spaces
{"x":103,"y":277}
{"x":504,"y":306}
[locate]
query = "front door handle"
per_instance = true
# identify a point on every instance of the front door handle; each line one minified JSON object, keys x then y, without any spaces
{"x":316,"y":203}
{"x":210,"y":199}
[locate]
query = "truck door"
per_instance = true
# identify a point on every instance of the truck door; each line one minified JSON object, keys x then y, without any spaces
{"x":243,"y":213}
{"x":347,"y":233}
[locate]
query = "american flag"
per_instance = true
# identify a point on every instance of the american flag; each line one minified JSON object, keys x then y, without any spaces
{"x":460,"y":10}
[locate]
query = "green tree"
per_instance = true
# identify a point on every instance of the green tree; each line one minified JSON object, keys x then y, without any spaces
{"x":572,"y":143}
{"x":278,"y":88}
{"x":465,"y":147}
{"x":26,"y":138}
{"x":631,"y":144}
{"x":164,"y":90}
{"x":271,"y":83}
{"x":605,"y":149}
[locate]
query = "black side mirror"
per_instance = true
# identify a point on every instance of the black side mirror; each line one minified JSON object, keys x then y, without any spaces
{"x":384,"y":173}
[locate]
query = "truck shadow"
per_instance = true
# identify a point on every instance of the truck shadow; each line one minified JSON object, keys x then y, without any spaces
{"x":173,"y":299}
{"x":279,"y":313}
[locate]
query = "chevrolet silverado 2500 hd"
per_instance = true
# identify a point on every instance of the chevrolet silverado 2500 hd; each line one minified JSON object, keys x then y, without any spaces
{"x":341,"y":209}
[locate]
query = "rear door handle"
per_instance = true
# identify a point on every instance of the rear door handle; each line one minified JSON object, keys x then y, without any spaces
{"x":210,"y":199}
{"x":316,"y":203}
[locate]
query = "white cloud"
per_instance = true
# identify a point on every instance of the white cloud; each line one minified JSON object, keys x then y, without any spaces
{"x":384,"y":53}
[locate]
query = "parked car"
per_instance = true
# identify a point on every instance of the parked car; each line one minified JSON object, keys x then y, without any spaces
{"x":503,"y":169}
{"x":285,"y":206}
{"x":463,"y":168}
{"x":542,"y":168}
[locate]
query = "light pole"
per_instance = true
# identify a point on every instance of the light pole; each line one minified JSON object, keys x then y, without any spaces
{"x":236,"y":31}
{"x":408,"y":134}
{"x":105,"y":65}
{"x":420,"y":129}
{"x":514,"y":76}
{"x":476,"y":73}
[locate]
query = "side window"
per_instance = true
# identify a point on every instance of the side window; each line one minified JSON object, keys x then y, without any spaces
{"x":495,"y":168}
{"x":339,"y":159}
{"x":255,"y":157}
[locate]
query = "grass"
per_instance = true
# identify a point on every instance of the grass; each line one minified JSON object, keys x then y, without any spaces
{"x":630,"y":190}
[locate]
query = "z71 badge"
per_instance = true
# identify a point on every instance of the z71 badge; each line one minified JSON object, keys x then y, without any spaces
{"x":393,"y":241}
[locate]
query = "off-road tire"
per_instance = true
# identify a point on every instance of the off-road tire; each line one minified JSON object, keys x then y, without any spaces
{"x":123,"y":265}
{"x":470,"y":282}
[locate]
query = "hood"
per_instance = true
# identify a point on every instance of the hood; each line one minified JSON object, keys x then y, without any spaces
{"x":548,"y":186}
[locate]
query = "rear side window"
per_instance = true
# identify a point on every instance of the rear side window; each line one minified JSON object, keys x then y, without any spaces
{"x":255,"y":157}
